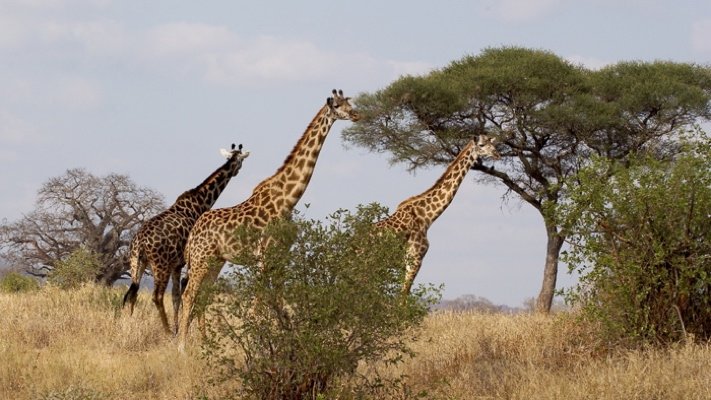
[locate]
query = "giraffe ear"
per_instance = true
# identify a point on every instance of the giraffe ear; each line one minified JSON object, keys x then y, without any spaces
{"x":329,"y":101}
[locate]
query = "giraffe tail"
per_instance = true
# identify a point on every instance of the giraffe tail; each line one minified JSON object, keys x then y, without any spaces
{"x":138,"y":267}
{"x":131,"y":295}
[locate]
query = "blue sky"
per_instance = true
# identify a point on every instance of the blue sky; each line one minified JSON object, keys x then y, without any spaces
{"x":154,"y":89}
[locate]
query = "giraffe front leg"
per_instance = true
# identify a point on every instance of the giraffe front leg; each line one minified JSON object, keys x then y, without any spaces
{"x":176,"y":295}
{"x":412,"y":268}
{"x":197,"y":271}
{"x":416,"y":252}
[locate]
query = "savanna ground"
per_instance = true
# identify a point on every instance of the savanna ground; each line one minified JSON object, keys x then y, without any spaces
{"x":58,"y":344}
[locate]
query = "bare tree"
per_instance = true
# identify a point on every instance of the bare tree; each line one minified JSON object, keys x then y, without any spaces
{"x":79,"y":209}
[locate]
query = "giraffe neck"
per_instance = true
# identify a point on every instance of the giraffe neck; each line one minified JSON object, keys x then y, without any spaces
{"x":284,"y":189}
{"x":201,"y":198}
{"x":436,"y":199}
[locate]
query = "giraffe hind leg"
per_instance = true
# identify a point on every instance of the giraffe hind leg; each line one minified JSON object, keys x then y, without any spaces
{"x":158,"y":292}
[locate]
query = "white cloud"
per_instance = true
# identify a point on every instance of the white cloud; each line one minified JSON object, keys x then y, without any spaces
{"x":52,"y":4}
{"x":27,"y":30}
{"x":214,"y":53}
{"x":221,"y":56}
{"x":13,"y":32}
{"x":701,"y":36}
{"x":266,"y":59}
{"x":77,"y":93}
{"x":14,"y":130}
{"x":588,"y":62}
{"x":70,"y":93}
{"x":401,"y":68}
{"x":188,"y":39}
{"x":102,"y":37}
{"x":523,"y":10}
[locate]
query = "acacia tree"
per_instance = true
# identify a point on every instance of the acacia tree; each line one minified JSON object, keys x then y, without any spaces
{"x":550,"y":116}
{"x":79,"y":209}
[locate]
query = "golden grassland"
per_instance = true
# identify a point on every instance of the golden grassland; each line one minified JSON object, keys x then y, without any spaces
{"x":57,"y":344}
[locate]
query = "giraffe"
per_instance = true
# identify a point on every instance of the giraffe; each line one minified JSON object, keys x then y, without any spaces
{"x":414,"y":216}
{"x":160,"y":241}
{"x":212,"y":241}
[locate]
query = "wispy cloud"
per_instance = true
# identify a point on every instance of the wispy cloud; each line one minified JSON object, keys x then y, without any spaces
{"x":588,"y":62}
{"x":523,"y":10}
{"x":74,"y":93}
{"x":77,"y":93}
{"x":400,"y":68}
{"x":14,"y":130}
{"x":221,"y":56}
{"x":188,"y":39}
{"x":213,"y":53}
{"x":52,"y":4}
{"x":700,"y":34}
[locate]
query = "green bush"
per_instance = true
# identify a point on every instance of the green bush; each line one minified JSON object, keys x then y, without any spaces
{"x":642,"y":243}
{"x":15,"y":282}
{"x":82,"y":266}
{"x":320,"y":298}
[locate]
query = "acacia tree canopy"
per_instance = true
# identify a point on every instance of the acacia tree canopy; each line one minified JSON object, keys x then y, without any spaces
{"x":549,"y":115}
{"x":79,"y":209}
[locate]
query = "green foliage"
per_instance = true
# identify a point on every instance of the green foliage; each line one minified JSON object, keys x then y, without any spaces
{"x":549,"y":115}
{"x":642,"y":243}
{"x":15,"y":282}
{"x":82,"y":266}
{"x":318,"y":299}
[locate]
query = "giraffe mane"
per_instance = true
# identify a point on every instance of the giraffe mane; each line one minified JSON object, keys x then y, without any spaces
{"x":291,"y":154}
{"x":444,"y":175}
{"x":210,"y":178}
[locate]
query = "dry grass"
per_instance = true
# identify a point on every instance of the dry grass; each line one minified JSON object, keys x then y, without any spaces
{"x":494,"y":356}
{"x":57,"y":344}
{"x":75,"y":345}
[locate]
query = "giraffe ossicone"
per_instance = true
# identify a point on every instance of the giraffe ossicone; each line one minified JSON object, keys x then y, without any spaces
{"x":228,"y":153}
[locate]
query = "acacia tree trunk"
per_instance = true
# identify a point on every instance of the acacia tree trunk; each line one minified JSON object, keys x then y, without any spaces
{"x":550,"y":271}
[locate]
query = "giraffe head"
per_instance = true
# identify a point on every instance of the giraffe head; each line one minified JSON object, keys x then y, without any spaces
{"x":234,"y":157}
{"x":486,"y":146}
{"x":340,"y":107}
